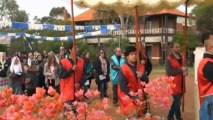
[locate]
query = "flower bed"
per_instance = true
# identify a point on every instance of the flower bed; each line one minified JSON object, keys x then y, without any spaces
{"x":44,"y":107}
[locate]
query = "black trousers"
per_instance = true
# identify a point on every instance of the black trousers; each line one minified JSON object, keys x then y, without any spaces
{"x":30,"y":92}
{"x":51,"y":83}
{"x":175,"y":108}
{"x":115,"y":93}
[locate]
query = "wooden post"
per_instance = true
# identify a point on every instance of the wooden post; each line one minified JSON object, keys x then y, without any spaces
{"x":185,"y":49}
{"x":136,"y":36}
{"x":73,"y":35}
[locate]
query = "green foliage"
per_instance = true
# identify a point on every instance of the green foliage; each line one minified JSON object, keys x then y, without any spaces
{"x":57,"y":11}
{"x":16,"y":45}
{"x":10,"y":10}
{"x":3,"y":48}
{"x":204,"y":17}
{"x":21,"y":16}
{"x":83,"y":47}
{"x":49,"y":46}
{"x":113,"y":43}
{"x":192,"y":40}
{"x":54,"y":13}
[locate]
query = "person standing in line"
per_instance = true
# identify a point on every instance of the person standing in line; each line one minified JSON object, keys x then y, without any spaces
{"x":129,"y":77}
{"x":101,"y":66}
{"x":205,"y":78}
{"x":69,"y":83}
{"x":33,"y":72}
{"x":116,"y":62}
{"x":4,"y":65}
{"x":15,"y":74}
{"x":41,"y":76}
{"x":175,"y":68}
{"x":89,"y":70}
{"x":51,"y":71}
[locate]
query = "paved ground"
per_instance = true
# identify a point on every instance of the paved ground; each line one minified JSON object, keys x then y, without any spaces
{"x":188,"y":114}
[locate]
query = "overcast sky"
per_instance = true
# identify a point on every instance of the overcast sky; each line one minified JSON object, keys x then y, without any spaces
{"x":42,"y":8}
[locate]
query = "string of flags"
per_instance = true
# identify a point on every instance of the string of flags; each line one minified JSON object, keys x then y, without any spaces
{"x":31,"y":26}
{"x":33,"y":36}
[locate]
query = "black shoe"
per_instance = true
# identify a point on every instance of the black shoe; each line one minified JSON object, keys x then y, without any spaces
{"x":170,"y":118}
{"x":115,"y":104}
{"x":106,"y":96}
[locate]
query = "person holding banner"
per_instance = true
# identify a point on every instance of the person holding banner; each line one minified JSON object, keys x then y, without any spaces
{"x":71,"y":75}
{"x":129,"y":78}
{"x":205,"y":79}
{"x":116,"y":62}
{"x":174,"y":68}
{"x":4,"y":65}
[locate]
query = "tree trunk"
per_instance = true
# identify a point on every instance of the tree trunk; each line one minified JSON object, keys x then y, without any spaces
{"x":123,"y":34}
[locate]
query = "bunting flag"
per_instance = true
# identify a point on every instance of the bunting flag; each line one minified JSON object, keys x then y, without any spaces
{"x":79,"y":36}
{"x":30,"y":26}
{"x":27,"y":42}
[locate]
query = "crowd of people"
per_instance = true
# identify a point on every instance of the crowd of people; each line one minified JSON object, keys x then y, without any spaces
{"x":67,"y":73}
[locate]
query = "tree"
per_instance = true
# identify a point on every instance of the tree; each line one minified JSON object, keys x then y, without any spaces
{"x":55,"y":12}
{"x":20,"y":16}
{"x":56,"y":15}
{"x":37,"y":19}
{"x":192,"y":40}
{"x":204,"y":17}
{"x":113,"y":43}
{"x":9,"y":10}
{"x":111,"y":17}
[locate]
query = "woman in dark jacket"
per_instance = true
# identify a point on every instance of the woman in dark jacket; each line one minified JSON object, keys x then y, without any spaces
{"x":89,"y":70}
{"x":101,"y":67}
{"x":41,"y":76}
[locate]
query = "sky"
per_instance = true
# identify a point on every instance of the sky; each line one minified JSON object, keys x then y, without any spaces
{"x":42,"y":8}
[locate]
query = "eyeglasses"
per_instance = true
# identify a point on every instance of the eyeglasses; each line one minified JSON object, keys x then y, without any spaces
{"x":101,"y":52}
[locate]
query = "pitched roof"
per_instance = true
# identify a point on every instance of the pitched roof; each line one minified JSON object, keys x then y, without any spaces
{"x":88,"y":15}
{"x":164,"y":11}
{"x":85,"y":16}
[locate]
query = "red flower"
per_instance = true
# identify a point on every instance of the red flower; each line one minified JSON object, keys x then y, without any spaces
{"x":79,"y":93}
{"x":96,"y":93}
{"x":88,"y":94}
{"x":51,"y":91}
{"x":28,"y":106}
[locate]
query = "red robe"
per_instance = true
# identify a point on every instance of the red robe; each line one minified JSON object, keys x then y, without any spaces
{"x":67,"y":87}
{"x":132,"y":83}
{"x":178,"y":79}
{"x":205,"y":86}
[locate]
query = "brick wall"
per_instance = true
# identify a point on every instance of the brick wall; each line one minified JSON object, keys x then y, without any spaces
{"x":156,"y":50}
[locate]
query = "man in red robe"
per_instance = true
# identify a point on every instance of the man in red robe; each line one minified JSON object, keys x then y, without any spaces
{"x":128,"y":83}
{"x":175,"y":69}
{"x":205,"y":79}
{"x":69,"y":83}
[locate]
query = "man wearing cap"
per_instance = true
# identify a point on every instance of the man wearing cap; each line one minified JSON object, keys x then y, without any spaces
{"x":205,"y":79}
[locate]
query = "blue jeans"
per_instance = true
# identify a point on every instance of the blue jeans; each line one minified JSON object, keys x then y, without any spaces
{"x":175,"y":108}
{"x":102,"y":87}
{"x":206,"y":109}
